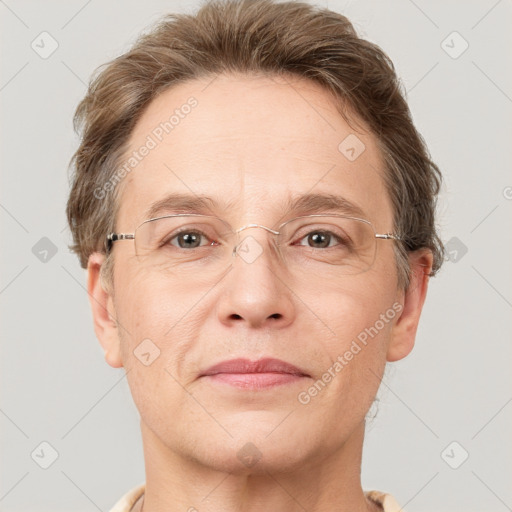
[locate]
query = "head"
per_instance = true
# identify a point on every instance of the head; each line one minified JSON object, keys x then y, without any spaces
{"x":234,"y":105}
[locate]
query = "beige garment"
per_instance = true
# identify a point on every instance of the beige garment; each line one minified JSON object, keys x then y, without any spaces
{"x":125,"y":504}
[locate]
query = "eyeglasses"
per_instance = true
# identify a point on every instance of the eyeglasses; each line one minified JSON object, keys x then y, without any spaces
{"x":199,"y":246}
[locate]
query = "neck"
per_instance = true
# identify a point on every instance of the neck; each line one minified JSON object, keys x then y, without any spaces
{"x":326,"y":483}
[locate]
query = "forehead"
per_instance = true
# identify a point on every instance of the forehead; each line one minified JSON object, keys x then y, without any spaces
{"x":253,"y":144}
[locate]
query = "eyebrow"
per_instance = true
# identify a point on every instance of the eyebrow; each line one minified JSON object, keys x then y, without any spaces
{"x":323,"y":203}
{"x":180,"y":203}
{"x":301,"y":205}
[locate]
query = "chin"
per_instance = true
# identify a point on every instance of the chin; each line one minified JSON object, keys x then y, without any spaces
{"x":248,"y":458}
{"x":252,"y":450}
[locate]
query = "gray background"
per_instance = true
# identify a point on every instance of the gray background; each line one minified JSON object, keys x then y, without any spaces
{"x":456,"y":384}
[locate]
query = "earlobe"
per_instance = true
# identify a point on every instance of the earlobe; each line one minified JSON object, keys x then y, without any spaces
{"x":102,"y":306}
{"x":404,"y":331}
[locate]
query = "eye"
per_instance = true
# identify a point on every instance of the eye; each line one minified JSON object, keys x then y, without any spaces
{"x":323,"y":239}
{"x":188,"y":239}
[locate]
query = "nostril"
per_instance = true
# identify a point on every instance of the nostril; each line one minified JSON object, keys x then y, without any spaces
{"x":276,"y":315}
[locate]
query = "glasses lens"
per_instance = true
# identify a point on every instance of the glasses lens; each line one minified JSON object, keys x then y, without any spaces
{"x":181,"y":239}
{"x":201,"y":245}
{"x":338,"y":245}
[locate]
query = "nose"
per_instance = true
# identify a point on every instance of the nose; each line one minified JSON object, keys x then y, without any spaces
{"x":255,"y":292}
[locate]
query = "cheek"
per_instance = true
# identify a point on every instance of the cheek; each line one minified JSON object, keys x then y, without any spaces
{"x":153,"y":306}
{"x":360,"y":322}
{"x":156,"y":335}
{"x":157,"y":327}
{"x":353,"y":307}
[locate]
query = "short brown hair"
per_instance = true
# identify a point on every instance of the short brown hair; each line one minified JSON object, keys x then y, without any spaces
{"x":252,"y":36}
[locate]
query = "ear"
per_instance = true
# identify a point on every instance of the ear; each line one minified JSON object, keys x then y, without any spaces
{"x":102,"y":305}
{"x":404,"y":331}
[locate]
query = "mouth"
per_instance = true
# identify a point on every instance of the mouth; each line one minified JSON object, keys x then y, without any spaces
{"x":261,"y":374}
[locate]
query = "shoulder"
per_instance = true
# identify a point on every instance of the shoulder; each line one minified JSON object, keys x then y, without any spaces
{"x":386,"y":501}
{"x":128,"y":500}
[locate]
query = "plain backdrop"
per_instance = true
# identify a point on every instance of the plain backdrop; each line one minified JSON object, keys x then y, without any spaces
{"x":441,"y":438}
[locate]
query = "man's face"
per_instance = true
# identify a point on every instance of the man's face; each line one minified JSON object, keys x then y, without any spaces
{"x":252,"y":145}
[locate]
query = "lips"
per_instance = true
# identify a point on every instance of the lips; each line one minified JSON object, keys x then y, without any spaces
{"x":245,"y":366}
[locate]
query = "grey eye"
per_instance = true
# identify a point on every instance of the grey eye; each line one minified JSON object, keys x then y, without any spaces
{"x":189,"y":240}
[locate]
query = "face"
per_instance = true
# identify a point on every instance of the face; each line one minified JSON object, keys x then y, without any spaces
{"x":253,"y":145}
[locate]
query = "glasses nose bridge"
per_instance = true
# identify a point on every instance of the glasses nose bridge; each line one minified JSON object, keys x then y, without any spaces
{"x":256,"y":226}
{"x":238,"y":238}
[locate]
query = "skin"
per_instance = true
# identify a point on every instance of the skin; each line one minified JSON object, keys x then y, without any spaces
{"x":251,"y":160}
